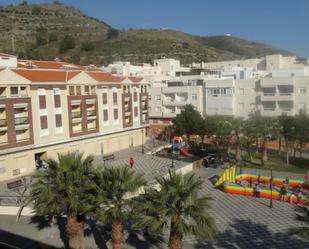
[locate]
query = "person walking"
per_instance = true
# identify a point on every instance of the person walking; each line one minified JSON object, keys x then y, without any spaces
{"x":131,"y":161}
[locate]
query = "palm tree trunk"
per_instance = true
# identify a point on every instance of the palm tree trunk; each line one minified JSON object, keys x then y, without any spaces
{"x":75,"y":231}
{"x":117,"y":234}
{"x":175,"y":240}
{"x":264,"y":152}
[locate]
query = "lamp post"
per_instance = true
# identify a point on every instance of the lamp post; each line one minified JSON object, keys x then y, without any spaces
{"x":172,"y":156}
{"x":271,"y":188}
{"x":142,"y":140}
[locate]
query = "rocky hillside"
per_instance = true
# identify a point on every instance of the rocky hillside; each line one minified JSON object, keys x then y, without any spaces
{"x":49,"y":31}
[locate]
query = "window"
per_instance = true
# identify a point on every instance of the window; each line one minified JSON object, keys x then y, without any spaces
{"x":14,"y":91}
{"x":42,"y":102}
{"x":116,"y":114}
{"x":115,"y":99}
{"x":302,"y":90}
{"x":86,"y":90}
{"x":92,"y":90}
{"x":241,"y":91}
{"x":158,"y":97}
{"x":2,"y":92}
{"x":105,"y":115}
{"x":158,"y":109}
{"x":149,"y":97}
{"x":43,"y":120}
{"x":135,"y":111}
{"x":58,"y":120}
{"x":57,"y":101}
{"x":194,"y":96}
{"x":78,"y":90}
{"x":104,"y":96}
{"x":135,"y":96}
{"x":72,"y":90}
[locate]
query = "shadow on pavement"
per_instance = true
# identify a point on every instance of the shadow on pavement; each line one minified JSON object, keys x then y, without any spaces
{"x":247,"y":234}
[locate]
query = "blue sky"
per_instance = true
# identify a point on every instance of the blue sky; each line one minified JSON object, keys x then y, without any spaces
{"x":281,"y":23}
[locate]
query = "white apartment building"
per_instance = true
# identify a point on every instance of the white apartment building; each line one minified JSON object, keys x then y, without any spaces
{"x":273,"y":84}
{"x":168,"y":101}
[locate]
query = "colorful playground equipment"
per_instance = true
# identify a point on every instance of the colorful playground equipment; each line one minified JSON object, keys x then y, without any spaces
{"x":179,"y":144}
{"x":245,"y":184}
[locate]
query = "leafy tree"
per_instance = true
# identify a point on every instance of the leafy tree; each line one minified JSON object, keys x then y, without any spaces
{"x":112,"y":33}
{"x":113,"y":206}
{"x":66,"y":188}
{"x":52,"y":37}
{"x":36,"y":10}
{"x":188,"y":121}
{"x":177,"y":207}
{"x":287,"y":130}
{"x":220,"y":130}
{"x":266,"y":129}
{"x":41,"y":40}
{"x":67,"y":42}
{"x":87,"y":46}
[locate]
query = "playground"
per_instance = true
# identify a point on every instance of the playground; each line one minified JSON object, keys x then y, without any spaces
{"x":283,"y":189}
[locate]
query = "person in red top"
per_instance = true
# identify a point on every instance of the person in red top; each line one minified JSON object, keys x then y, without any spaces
{"x":307,"y":176}
{"x":131,"y":162}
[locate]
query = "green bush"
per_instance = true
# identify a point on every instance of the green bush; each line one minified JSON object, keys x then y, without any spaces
{"x":40,"y":40}
{"x":67,"y":42}
{"x":36,"y":10}
{"x":52,"y":37}
{"x":112,"y":33}
{"x":87,"y":46}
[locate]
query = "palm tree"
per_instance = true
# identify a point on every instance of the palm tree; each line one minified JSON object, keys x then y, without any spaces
{"x":178,"y":207}
{"x":237,"y":127}
{"x":114,"y":185}
{"x":64,"y":188}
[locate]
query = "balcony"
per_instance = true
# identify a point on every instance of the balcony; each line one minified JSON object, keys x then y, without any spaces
{"x":179,"y":102}
{"x":22,"y":121}
{"x":273,"y":82}
{"x":277,"y":96}
{"x":3,"y":125}
{"x":91,"y":114}
{"x":76,"y":114}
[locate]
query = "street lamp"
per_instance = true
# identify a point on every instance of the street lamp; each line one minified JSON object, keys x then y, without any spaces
{"x":142,"y":140}
{"x":172,"y":156}
{"x":271,"y":188}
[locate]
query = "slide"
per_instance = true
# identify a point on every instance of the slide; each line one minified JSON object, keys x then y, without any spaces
{"x":185,"y":151}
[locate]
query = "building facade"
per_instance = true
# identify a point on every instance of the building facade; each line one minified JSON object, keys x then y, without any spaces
{"x":51,"y":107}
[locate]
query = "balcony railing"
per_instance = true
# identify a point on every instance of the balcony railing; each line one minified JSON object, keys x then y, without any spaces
{"x":76,"y":114}
{"x":22,"y":121}
{"x":91,"y":113}
{"x":3,"y":123}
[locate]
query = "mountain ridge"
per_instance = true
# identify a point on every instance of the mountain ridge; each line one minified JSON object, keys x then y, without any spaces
{"x":49,"y":31}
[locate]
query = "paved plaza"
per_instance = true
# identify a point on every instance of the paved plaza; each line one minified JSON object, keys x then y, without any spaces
{"x":242,"y":222}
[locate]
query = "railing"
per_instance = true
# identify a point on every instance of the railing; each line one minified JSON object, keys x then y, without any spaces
{"x":269,"y":94}
{"x":285,"y":94}
{"x":91,"y":113}
{"x":21,"y":121}
{"x":3,"y":123}
{"x":76,"y":114}
{"x":22,"y":139}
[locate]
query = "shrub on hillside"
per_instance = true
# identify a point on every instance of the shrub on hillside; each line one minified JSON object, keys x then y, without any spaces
{"x":67,"y":42}
{"x":87,"y":46}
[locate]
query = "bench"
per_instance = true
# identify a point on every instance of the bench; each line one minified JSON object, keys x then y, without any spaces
{"x":108,"y":157}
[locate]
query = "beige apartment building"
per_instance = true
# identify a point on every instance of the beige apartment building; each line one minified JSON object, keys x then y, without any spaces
{"x":53,"y":107}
